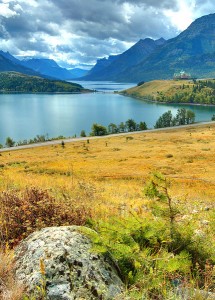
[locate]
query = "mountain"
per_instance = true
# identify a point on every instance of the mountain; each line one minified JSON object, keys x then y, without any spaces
{"x":193,"y":51}
{"x":101,"y":64}
{"x":47,"y":67}
{"x":7,"y":55}
{"x":108,"y":69}
{"x":10,"y":63}
{"x":18,"y":82}
{"x":77,"y":73}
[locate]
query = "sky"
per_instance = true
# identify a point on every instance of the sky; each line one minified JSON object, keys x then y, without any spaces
{"x":75,"y":33}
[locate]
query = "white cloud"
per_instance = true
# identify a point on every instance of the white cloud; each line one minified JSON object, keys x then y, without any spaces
{"x":82,"y":31}
{"x":5,"y":11}
{"x":183,"y":16}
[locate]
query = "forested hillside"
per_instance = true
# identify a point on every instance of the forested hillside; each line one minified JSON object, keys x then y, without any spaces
{"x":17,"y":82}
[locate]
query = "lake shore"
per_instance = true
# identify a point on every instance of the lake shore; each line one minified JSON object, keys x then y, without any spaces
{"x":165,"y":103}
{"x":73,"y":140}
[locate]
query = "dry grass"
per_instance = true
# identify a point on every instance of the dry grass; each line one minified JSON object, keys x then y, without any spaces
{"x":169,"y":87}
{"x":9,"y":289}
{"x":106,"y":177}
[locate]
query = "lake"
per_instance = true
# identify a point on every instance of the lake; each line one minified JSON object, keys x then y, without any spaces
{"x":23,"y":116}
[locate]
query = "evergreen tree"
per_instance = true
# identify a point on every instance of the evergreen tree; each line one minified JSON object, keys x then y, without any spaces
{"x":166,"y":120}
{"x":131,"y":125}
{"x":143,"y":126}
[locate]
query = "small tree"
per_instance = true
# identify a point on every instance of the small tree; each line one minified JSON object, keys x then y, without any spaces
{"x":83,"y":133}
{"x":131,"y":125}
{"x":180,"y":118}
{"x":143,"y":126}
{"x":158,"y":191}
{"x":98,"y":130}
{"x":112,"y":128}
{"x":166,"y":120}
{"x":9,"y":142}
{"x":190,"y":116}
{"x":122,"y":127}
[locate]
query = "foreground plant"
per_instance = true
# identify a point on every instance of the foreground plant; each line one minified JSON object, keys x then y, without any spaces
{"x":157,"y":256}
{"x":24,"y":212}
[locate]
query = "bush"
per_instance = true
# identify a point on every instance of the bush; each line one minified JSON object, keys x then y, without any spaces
{"x":23,"y":213}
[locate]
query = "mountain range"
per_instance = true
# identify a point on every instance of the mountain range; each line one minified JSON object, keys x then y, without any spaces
{"x":10,"y":63}
{"x":46,"y":68}
{"x":109,"y":69}
{"x":193,"y":50}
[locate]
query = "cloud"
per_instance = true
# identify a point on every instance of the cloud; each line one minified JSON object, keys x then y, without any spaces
{"x":82,"y":31}
{"x":5,"y":10}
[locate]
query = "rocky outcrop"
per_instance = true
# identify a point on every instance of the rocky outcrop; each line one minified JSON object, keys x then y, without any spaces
{"x":60,"y":261}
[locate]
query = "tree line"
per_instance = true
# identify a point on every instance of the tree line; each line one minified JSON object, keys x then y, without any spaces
{"x":183,"y":117}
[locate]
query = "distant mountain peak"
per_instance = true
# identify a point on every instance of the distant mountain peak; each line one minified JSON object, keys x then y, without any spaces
{"x":107,"y":69}
{"x":192,"y":50}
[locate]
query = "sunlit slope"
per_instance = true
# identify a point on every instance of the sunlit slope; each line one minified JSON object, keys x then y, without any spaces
{"x":152,"y":88}
{"x":175,"y":91}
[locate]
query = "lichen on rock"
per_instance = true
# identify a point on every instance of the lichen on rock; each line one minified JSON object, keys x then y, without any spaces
{"x":61,"y":262}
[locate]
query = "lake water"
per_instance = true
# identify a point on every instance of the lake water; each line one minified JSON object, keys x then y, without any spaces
{"x":23,"y":116}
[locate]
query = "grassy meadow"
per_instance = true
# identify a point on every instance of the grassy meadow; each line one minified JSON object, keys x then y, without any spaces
{"x":151,"y":88}
{"x":115,"y":169}
{"x":175,"y":91}
{"x":103,"y":180}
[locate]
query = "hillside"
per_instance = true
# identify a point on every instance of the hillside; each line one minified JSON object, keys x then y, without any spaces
{"x":192,"y":50}
{"x":10,"y":63}
{"x":77,"y":73}
{"x":17,"y":82}
{"x":47,"y":67}
{"x":171,"y":91}
{"x":108,"y":69}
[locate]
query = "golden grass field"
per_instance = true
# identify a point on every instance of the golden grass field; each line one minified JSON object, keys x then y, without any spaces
{"x":109,"y":174}
{"x":151,"y":88}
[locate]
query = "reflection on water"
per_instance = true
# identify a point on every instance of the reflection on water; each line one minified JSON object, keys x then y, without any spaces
{"x":23,"y":116}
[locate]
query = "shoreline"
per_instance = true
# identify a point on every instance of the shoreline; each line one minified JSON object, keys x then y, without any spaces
{"x":45,"y":93}
{"x":166,"y":103}
{"x":78,"y":139}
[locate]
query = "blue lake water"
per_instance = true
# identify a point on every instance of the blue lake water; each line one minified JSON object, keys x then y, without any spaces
{"x":23,"y":116}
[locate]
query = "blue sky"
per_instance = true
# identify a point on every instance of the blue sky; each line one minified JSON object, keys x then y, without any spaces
{"x":77,"y":32}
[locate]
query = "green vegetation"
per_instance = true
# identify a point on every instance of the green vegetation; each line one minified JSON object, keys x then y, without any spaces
{"x":16,"y":82}
{"x":83,"y":133}
{"x":9,"y":142}
{"x":129,"y":126}
{"x":160,"y":254}
{"x":170,"y":91}
{"x":183,"y":117}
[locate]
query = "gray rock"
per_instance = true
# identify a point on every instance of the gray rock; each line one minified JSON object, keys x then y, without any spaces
{"x":60,"y":261}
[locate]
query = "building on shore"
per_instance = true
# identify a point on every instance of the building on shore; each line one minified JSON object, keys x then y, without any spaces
{"x":182,"y":76}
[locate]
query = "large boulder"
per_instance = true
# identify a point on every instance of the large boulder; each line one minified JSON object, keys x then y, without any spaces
{"x":60,"y":262}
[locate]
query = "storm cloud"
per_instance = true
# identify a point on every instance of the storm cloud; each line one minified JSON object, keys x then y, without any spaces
{"x":78,"y":32}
